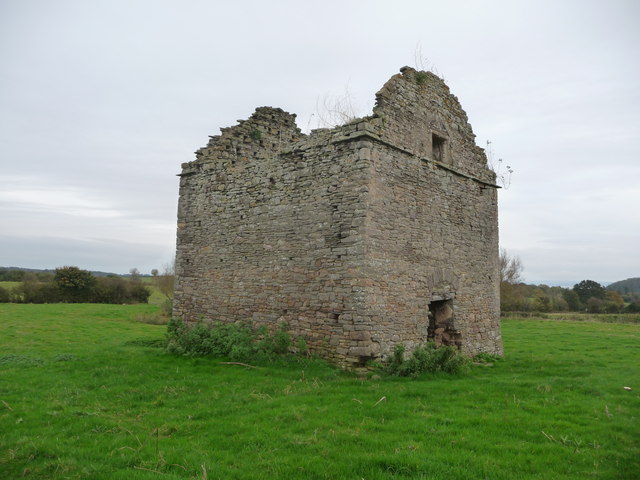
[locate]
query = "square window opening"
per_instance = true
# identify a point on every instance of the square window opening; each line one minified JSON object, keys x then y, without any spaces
{"x":438,"y":144}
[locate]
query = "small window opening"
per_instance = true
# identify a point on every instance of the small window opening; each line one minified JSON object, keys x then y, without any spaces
{"x":438,"y":147}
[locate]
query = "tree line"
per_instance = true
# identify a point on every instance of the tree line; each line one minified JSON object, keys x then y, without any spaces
{"x":585,"y":296}
{"x":71,"y":284}
{"x":15,"y":275}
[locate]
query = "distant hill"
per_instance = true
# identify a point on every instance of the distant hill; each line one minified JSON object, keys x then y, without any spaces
{"x":37,"y":270}
{"x":630,"y":285}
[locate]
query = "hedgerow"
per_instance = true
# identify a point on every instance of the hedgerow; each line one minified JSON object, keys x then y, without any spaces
{"x":73,"y":285}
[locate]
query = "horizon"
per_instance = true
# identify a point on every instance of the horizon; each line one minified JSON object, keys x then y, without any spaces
{"x":556,"y":283}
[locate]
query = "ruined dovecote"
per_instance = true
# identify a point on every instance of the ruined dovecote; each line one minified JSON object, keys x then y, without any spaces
{"x":377,"y":232}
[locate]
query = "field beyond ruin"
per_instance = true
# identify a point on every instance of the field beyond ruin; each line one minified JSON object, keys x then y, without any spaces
{"x":87,"y":392}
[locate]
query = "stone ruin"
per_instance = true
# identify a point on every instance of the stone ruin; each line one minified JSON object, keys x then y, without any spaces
{"x":377,"y":232}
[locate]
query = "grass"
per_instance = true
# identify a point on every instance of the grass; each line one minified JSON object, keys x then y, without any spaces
{"x":156,"y":297}
{"x":85,"y":393}
{"x":10,"y":285}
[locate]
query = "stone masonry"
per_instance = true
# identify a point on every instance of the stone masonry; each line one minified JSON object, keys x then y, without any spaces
{"x":377,"y":232}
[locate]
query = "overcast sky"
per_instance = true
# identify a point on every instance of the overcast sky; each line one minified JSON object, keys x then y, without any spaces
{"x":101,"y":102}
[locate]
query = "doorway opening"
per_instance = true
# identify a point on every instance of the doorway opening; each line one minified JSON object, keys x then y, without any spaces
{"x":441,"y":328}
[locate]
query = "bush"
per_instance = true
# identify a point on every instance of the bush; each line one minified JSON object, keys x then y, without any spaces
{"x":594,"y":305}
{"x":36,"y":292}
{"x":426,"y":358}
{"x":279,"y":342}
{"x":117,"y":290}
{"x":138,"y":293}
{"x":110,"y":290}
{"x":222,"y":340}
{"x":632,"y":308}
{"x":75,"y":285}
{"x":235,"y":341}
{"x":5,"y":295}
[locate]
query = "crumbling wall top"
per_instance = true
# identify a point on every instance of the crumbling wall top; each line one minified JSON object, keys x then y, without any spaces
{"x":422,"y":94}
{"x":268,"y":130}
{"x":421,"y":115}
{"x":414,"y":112}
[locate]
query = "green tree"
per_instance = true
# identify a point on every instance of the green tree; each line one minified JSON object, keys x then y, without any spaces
{"x":541,"y":300}
{"x":594,"y":305}
{"x":613,"y":302}
{"x":75,"y":285}
{"x":587,"y":289}
{"x":573,"y":300}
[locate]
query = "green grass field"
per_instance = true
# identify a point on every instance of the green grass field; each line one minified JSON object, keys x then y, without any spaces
{"x":85,"y":394}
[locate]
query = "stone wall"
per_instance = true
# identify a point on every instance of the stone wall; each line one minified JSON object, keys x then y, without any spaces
{"x":353,"y":236}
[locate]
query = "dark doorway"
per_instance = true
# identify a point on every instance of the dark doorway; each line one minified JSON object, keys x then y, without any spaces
{"x":441,"y":329}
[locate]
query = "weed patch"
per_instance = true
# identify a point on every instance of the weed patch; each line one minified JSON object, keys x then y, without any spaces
{"x":65,"y":357}
{"x":238,"y":342}
{"x":427,"y":359}
{"x":155,"y":318}
{"x":23,"y":360}
{"x":421,"y":78}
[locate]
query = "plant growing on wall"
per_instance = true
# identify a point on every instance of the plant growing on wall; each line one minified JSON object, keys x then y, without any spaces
{"x":503,"y":172}
{"x":255,"y":134}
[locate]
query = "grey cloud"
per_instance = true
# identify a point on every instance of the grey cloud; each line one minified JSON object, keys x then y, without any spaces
{"x":100,"y":103}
